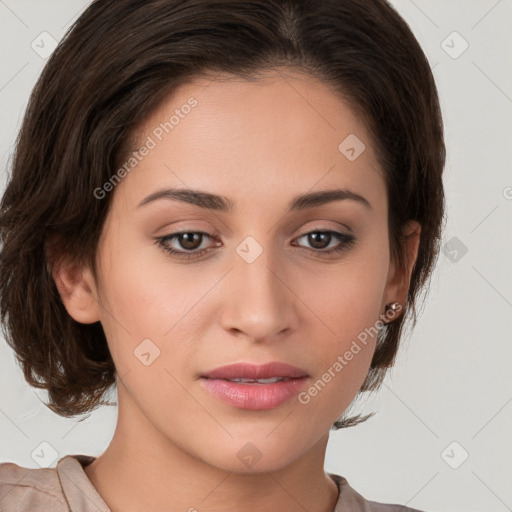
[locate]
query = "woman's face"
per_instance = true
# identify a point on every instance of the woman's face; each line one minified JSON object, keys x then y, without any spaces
{"x":252,"y":280}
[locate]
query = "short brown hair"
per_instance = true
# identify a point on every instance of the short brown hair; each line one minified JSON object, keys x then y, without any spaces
{"x":116,"y":63}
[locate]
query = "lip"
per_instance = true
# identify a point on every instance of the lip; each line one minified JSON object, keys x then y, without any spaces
{"x":255,"y":371}
{"x":254,"y":396}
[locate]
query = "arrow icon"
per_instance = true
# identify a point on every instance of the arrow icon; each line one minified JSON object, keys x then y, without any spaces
{"x":146,"y":352}
{"x":249,"y":454}
{"x":44,"y":454}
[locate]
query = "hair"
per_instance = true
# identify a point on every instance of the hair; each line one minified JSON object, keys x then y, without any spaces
{"x":118,"y":62}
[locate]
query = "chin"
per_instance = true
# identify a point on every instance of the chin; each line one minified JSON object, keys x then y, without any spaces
{"x":256,"y":454}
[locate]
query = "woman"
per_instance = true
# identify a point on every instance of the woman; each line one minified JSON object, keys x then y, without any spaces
{"x":225,"y":209}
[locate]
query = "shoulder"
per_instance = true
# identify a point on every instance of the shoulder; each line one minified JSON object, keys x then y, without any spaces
{"x":386,"y":507}
{"x":27,"y":489}
{"x":350,"y":500}
{"x":63,"y":488}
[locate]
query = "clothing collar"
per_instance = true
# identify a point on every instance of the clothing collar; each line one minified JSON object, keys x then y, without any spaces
{"x":78,"y":489}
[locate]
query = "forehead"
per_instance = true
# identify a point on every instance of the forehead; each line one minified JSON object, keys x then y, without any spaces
{"x":281,"y":132}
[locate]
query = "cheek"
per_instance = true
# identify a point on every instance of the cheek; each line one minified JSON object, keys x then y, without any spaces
{"x":335,"y":384}
{"x":349,"y":304}
{"x":144,"y":291}
{"x":344,"y":365}
{"x":148,"y":298}
{"x":347,"y":300}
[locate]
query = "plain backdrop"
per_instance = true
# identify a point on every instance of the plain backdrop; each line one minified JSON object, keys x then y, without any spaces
{"x":441,"y":440}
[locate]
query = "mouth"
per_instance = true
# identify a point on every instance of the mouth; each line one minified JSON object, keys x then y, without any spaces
{"x":254,"y":387}
{"x":270,"y":380}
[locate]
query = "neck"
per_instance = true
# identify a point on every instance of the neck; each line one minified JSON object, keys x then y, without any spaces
{"x":166,"y":477}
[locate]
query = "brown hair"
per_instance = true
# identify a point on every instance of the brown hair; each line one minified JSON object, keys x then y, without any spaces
{"x":115,"y":64}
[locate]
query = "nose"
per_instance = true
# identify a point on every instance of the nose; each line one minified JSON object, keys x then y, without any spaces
{"x":259,"y":303}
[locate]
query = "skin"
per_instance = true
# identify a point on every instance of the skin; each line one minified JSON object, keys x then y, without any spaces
{"x":259,"y":143}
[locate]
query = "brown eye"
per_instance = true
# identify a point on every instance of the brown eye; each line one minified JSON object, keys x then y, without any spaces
{"x":187,"y":244}
{"x":319,"y":240}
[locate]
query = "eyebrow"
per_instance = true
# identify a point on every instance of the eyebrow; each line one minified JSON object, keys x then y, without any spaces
{"x":223,"y":204}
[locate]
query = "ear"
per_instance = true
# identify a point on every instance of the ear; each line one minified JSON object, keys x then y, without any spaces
{"x":77,"y":289}
{"x":399,"y":279}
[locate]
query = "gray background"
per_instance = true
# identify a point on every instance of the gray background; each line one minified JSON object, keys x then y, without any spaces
{"x":449,"y":396}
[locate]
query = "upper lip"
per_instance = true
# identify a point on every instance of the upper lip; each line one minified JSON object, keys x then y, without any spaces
{"x":255,"y":371}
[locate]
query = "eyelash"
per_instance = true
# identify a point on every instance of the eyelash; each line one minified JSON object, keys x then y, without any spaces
{"x":346,"y":241}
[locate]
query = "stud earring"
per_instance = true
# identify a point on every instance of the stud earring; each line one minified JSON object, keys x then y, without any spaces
{"x":394,"y":306}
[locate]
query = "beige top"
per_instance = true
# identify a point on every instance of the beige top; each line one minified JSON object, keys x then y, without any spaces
{"x":67,"y":488}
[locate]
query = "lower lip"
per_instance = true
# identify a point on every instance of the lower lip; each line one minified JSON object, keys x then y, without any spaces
{"x":255,"y":397}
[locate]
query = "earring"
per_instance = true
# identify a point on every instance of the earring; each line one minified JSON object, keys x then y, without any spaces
{"x":394,"y":306}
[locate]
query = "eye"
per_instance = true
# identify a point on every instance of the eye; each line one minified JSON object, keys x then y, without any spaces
{"x":319,"y":240}
{"x":190,"y":242}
